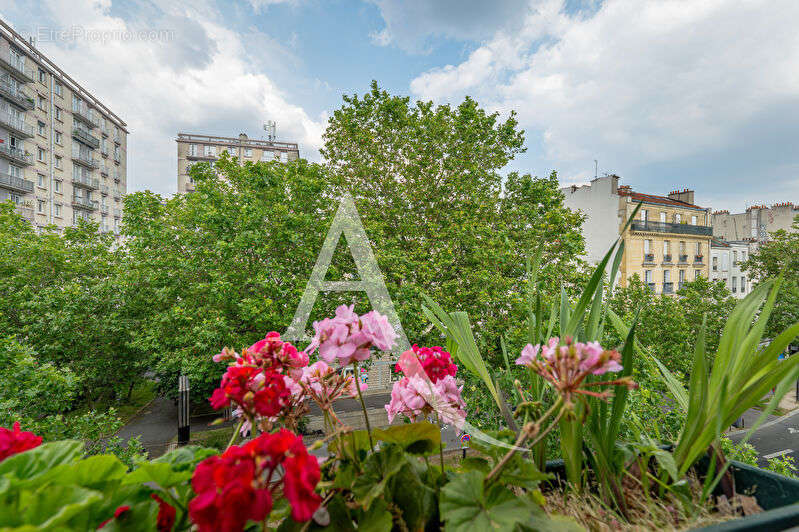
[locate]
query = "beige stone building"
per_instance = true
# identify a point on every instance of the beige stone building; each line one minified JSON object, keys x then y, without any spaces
{"x":199,"y":148}
{"x":63,"y":153}
{"x":756,"y":224}
{"x":668,"y":243}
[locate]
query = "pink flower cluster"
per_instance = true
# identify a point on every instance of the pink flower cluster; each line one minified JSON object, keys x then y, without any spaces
{"x":567,"y":366}
{"x":324,"y":384}
{"x":349,"y":338}
{"x":436,"y":362}
{"x":269,"y":353}
{"x":423,"y":390}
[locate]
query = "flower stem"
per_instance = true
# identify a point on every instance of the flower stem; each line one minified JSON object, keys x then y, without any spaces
{"x":235,"y":433}
{"x":357,"y":378}
{"x":440,"y":443}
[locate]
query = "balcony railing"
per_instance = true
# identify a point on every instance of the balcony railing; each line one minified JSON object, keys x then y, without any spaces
{"x":117,"y":176}
{"x":104,"y":209}
{"x":14,"y":94}
{"x":698,"y":259}
{"x":85,"y":159}
{"x":666,"y":227}
{"x":17,"y":125}
{"x":683,"y":259}
{"x":82,"y":112}
{"x":117,"y":213}
{"x":668,"y":288}
{"x":15,"y":154}
{"x":117,"y":156}
{"x":667,"y":259}
{"x":104,"y":190}
{"x":649,"y":258}
{"x":85,"y":137}
{"x":84,"y":203}
{"x":17,"y":68}
{"x":86,"y":181}
{"x":15,"y":183}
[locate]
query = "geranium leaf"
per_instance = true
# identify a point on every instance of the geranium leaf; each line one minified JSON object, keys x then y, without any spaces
{"x":37,"y":461}
{"x":416,"y":438}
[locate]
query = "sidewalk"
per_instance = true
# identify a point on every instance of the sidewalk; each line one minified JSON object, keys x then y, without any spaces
{"x":787,"y":405}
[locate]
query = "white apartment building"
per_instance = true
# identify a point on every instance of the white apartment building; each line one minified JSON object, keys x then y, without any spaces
{"x":599,"y":201}
{"x":63,"y":153}
{"x":206,"y":148}
{"x":725,"y":265}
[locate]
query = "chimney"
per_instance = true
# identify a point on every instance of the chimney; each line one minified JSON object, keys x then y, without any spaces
{"x":685,"y":195}
{"x":242,"y":137}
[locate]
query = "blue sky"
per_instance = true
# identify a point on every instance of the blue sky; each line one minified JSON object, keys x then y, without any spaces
{"x":667,"y":94}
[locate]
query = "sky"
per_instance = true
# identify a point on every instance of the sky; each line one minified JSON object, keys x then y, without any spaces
{"x":666,"y":94}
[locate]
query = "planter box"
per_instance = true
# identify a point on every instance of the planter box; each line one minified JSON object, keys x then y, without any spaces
{"x":776,"y":494}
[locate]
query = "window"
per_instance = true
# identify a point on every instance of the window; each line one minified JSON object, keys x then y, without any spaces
{"x":666,"y":276}
{"x":59,"y":138}
{"x":42,"y":76}
{"x":678,"y":218}
{"x":57,"y":210}
{"x":248,"y":152}
{"x":57,"y":185}
{"x":647,"y":246}
{"x":693,"y":220}
{"x":41,"y":103}
{"x":734,"y":284}
{"x":59,"y":89}
{"x":699,"y":249}
{"x":40,"y":206}
{"x":41,"y":181}
{"x":743,"y":284}
{"x":715,"y":261}
{"x":42,"y":128}
{"x":647,"y":276}
{"x":743,"y":256}
{"x":734,"y":258}
{"x":663,"y":216}
{"x":644,"y":215}
{"x":57,"y":161}
{"x":666,"y":247}
{"x":210,"y":151}
{"x":681,"y":276}
{"x":193,"y":150}
{"x":58,"y":113}
{"x":15,"y":171}
{"x":267,"y":156}
{"x":40,"y":155}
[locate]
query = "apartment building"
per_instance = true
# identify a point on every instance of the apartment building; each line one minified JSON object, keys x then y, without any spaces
{"x":725,"y":265}
{"x":63,"y":153}
{"x":669,"y":241}
{"x":666,"y":245}
{"x":756,"y":224}
{"x":206,"y":148}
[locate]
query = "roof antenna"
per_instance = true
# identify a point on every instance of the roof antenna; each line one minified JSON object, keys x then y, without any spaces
{"x":596,"y":168}
{"x":271,"y":130}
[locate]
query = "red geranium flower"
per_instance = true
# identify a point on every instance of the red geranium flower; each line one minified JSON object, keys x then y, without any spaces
{"x":254,"y":390}
{"x":119,"y":511}
{"x":14,"y":441}
{"x":166,"y":515}
{"x":436,"y":362}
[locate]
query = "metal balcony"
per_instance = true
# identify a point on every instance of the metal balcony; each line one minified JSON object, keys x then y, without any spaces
{"x":85,"y":159}
{"x":17,"y":68}
{"x":698,"y":259}
{"x":683,"y":259}
{"x":17,"y":184}
{"x":82,"y":112}
{"x":117,"y":156}
{"x":16,"y":155}
{"x":117,"y":176}
{"x":667,"y":259}
{"x":86,"y":181}
{"x":85,"y":137}
{"x":15,"y":95}
{"x":668,"y":288}
{"x":17,"y":125}
{"x":84,"y":203}
{"x":104,"y":190}
{"x":649,"y":258}
{"x":666,"y":227}
{"x":104,"y":209}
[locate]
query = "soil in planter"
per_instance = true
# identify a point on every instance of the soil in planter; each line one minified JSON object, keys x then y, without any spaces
{"x":654,"y":514}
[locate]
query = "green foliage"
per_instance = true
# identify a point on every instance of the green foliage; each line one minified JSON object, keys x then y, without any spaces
{"x":779,"y":256}
{"x":741,"y":452}
{"x":783,"y":465}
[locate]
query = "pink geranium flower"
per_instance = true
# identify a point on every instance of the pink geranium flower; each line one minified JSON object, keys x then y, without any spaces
{"x":349,"y":338}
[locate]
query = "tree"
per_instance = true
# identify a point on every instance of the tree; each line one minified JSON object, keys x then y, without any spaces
{"x":779,"y":256}
{"x":61,"y":297}
{"x":709,"y":300}
{"x":441,"y":217}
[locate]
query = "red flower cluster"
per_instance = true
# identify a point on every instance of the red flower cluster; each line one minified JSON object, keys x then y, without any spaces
{"x":270,"y":353}
{"x":254,"y":390}
{"x":166,"y":515}
{"x":14,"y":441}
{"x":436,"y":362}
{"x":119,"y":511}
{"x":237,"y":486}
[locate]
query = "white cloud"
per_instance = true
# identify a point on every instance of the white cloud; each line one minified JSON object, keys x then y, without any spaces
{"x":635,"y":82}
{"x":204,"y":80}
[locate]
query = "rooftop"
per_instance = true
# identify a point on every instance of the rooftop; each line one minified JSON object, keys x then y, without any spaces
{"x":651,"y":198}
{"x":236,"y":141}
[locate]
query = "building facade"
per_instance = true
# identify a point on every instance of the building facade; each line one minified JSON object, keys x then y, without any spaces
{"x":63,"y":153}
{"x":756,"y":224}
{"x":725,"y":265}
{"x":599,"y":202}
{"x":199,"y":148}
{"x":668,"y":243}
